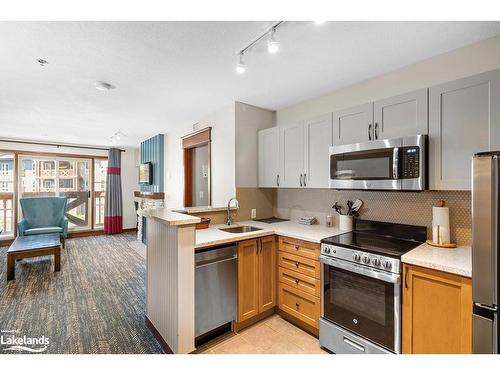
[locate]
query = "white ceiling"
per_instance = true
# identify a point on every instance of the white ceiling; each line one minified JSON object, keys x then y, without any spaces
{"x":171,"y":73}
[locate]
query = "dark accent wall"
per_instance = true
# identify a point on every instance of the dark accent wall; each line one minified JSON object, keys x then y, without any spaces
{"x":152,"y":151}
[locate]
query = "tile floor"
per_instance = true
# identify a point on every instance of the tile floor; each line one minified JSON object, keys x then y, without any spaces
{"x":273,"y":335}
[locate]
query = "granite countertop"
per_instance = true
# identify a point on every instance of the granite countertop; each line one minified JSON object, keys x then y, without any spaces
{"x":168,"y":217}
{"x":457,"y":261}
{"x":214,"y":236}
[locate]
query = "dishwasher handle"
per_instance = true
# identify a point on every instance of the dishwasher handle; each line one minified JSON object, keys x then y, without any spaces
{"x":215,"y":261}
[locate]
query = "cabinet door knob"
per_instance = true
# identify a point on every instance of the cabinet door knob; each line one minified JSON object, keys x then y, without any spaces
{"x":297,"y":264}
{"x":297,"y":305}
{"x":296,"y":247}
{"x":297,"y":281}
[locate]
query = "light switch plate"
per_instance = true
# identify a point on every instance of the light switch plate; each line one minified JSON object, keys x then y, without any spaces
{"x":253,"y":215}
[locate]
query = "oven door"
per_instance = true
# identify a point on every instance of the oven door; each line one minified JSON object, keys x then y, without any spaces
{"x":363,"y":301}
{"x":373,"y":165}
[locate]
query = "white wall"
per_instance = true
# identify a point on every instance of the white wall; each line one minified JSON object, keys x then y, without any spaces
{"x":174,"y":167}
{"x":223,"y":182}
{"x":249,"y":120}
{"x":130,"y":181}
{"x":473,"y":59}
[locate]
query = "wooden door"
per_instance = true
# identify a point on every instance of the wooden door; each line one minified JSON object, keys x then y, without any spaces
{"x":318,"y":139}
{"x":292,"y":155}
{"x":353,"y":125}
{"x":401,"y":115}
{"x":437,"y":312}
{"x":464,"y":118}
{"x":248,"y":279}
{"x":268,"y":155}
{"x":267,"y":273}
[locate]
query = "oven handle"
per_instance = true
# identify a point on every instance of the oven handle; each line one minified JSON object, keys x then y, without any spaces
{"x":361,"y":270}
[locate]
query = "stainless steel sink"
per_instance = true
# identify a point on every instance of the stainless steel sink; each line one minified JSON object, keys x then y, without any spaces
{"x":240,"y":229}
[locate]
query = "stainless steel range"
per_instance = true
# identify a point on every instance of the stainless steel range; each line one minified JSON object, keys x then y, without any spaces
{"x":361,"y":287}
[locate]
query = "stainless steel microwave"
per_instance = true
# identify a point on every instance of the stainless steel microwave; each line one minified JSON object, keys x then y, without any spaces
{"x":390,"y":164}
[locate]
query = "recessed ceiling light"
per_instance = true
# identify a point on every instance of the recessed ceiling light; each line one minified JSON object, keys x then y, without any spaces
{"x":42,"y":62}
{"x":104,"y":86}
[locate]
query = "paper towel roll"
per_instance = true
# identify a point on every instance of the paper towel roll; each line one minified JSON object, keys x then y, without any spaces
{"x":440,"y":225}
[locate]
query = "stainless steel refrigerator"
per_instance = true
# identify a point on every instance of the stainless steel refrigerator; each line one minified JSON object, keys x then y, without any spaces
{"x":485,"y":257}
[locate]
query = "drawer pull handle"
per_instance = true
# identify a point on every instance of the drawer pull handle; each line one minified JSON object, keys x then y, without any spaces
{"x":296,"y":247}
{"x":297,"y":281}
{"x":297,"y":305}
{"x":297,"y":264}
{"x":353,"y":344}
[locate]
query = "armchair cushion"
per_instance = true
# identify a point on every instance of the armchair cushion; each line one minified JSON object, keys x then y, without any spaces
{"x":44,"y":230}
{"x":43,"y":215}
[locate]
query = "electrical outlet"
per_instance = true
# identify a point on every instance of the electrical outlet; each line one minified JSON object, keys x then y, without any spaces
{"x":254,"y":213}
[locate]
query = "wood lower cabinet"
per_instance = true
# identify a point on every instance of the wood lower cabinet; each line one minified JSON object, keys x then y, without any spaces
{"x":267,"y":273}
{"x":256,"y":276}
{"x":299,"y":286}
{"x":437,"y":312}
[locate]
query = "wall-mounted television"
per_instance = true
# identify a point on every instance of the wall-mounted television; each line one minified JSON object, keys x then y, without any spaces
{"x":146,"y":173}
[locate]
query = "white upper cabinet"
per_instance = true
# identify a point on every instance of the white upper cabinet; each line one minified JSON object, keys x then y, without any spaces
{"x":401,"y":115}
{"x":353,"y":125}
{"x":268,"y":154}
{"x":464,"y":118}
{"x":317,"y":141}
{"x":291,"y":153}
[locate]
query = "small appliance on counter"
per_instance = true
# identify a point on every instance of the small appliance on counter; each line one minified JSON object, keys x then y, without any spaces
{"x":361,"y":287}
{"x":308,"y":220}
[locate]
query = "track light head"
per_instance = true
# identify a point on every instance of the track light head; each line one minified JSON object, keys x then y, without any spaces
{"x":241,"y":66}
{"x":272,"y":45}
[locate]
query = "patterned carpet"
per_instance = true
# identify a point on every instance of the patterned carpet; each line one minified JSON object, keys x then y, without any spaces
{"x":94,"y":305}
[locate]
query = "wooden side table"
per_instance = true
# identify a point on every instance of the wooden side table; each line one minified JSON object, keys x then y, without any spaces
{"x":33,"y":246}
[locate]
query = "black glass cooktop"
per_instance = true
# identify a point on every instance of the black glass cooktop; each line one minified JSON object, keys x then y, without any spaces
{"x":380,"y":238}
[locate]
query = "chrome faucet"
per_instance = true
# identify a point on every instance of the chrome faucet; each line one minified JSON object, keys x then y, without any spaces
{"x":229,"y":220}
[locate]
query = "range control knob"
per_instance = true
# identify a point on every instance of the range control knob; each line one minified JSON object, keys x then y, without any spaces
{"x":356,"y":257}
{"x":365,"y":259}
{"x":376,"y":262}
{"x":327,"y":250}
{"x":387,"y":264}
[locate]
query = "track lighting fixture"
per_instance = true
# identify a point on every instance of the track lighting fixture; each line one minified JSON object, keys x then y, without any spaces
{"x":272,"y":46}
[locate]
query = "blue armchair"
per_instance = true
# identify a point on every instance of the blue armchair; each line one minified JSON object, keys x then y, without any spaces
{"x":44,"y":215}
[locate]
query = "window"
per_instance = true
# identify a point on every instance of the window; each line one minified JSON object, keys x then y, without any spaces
{"x":7,"y":205}
{"x":60,"y":176}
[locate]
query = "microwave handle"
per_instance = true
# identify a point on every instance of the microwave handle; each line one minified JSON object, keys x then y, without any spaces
{"x":395,"y":163}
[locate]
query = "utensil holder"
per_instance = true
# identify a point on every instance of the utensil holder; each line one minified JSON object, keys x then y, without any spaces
{"x":346,"y":222}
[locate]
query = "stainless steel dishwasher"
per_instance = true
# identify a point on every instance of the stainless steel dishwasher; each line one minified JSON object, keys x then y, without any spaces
{"x":215,"y":288}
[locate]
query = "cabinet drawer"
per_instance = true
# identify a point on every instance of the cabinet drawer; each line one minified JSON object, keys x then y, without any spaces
{"x":299,"y":304}
{"x":299,"y":264}
{"x":300,"y":281}
{"x":298,"y":247}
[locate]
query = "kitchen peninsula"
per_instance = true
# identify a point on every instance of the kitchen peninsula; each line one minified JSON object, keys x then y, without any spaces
{"x":170,"y":278}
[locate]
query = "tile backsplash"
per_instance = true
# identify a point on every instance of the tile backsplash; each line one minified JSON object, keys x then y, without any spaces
{"x":397,"y":207}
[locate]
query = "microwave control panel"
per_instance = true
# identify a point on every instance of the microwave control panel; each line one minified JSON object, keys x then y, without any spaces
{"x":410,"y":156}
